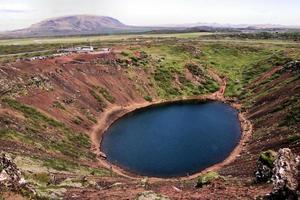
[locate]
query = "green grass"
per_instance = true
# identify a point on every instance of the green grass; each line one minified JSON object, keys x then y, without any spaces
{"x":294,"y":138}
{"x":77,"y":120}
{"x":32,"y":113}
{"x":148,"y":98}
{"x":268,"y":158}
{"x":171,"y":61}
{"x":63,"y":140}
{"x":80,"y":39}
{"x":105,"y":93}
{"x":206,"y":178}
{"x":98,"y":98}
{"x":42,"y":178}
{"x":210,"y":86}
{"x":239,"y":63}
{"x":292,"y":118}
{"x":59,"y":164}
{"x":57,"y":104}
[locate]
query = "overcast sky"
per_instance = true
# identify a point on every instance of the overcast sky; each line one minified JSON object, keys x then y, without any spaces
{"x":16,"y":14}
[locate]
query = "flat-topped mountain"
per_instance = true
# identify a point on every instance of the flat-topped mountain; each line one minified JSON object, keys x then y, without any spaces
{"x":95,"y":25}
{"x":78,"y":23}
{"x":74,"y":25}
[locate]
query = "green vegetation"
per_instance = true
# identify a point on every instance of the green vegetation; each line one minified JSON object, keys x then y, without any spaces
{"x":59,"y":164}
{"x":241,"y":63}
{"x":100,"y":38}
{"x":166,"y":66}
{"x":294,"y":138}
{"x":263,"y":65}
{"x":87,"y":113}
{"x":99,"y":99}
{"x":148,"y":98}
{"x":206,"y":178}
{"x":231,"y":61}
{"x":171,"y":63}
{"x":77,"y":120}
{"x":42,"y":177}
{"x":57,"y":104}
{"x":295,"y":36}
{"x":195,"y":69}
{"x":210,"y":86}
{"x":105,"y":93}
{"x":74,"y":145}
{"x":293,"y":117}
{"x":32,"y":113}
{"x":268,"y":158}
{"x":164,"y":78}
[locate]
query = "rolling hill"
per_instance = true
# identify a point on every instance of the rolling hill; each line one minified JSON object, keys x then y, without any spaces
{"x":96,"y":25}
{"x":74,"y":25}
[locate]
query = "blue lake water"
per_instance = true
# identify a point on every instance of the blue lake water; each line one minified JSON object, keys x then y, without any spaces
{"x":173,"y":140}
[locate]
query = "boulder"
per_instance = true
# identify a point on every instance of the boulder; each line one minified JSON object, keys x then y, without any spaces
{"x":150,"y":195}
{"x":285,"y":176}
{"x":11,"y":177}
{"x":293,"y":67}
{"x":265,"y":166}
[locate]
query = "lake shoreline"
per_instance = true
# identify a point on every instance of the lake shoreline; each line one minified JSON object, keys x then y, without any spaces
{"x":114,"y":113}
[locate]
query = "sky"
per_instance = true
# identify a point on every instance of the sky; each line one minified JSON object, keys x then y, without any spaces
{"x":16,"y":14}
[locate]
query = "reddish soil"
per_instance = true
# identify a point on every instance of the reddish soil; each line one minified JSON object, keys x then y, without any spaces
{"x":73,"y":77}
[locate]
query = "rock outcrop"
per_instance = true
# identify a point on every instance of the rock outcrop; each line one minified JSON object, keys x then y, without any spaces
{"x":293,"y":66}
{"x":265,"y":166}
{"x":285,"y":176}
{"x":150,"y":195}
{"x":10,"y":176}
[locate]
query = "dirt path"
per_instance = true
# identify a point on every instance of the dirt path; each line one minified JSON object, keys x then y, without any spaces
{"x":114,"y":112}
{"x":221,"y":81}
{"x":267,"y":75}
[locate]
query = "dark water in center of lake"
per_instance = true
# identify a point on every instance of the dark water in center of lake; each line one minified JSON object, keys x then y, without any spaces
{"x":173,"y":140}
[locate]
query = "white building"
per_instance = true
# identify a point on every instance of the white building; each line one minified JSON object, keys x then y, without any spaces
{"x":86,"y":49}
{"x":77,"y":49}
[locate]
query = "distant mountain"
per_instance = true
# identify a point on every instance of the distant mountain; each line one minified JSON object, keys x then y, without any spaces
{"x":75,"y":25}
{"x":236,"y":26}
{"x":93,"y":25}
{"x":78,"y":23}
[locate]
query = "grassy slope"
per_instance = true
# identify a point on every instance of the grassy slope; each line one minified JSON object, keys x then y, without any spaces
{"x":61,"y":40}
{"x":40,"y":145}
{"x":240,"y":63}
{"x":166,"y":63}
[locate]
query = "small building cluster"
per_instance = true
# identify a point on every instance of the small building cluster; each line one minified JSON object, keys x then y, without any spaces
{"x":68,"y":51}
{"x":83,"y":49}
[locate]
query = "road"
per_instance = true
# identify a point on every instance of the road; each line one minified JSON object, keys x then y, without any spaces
{"x":24,"y":53}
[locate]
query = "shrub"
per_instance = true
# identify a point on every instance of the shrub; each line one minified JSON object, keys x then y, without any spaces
{"x":42,"y":177}
{"x":124,"y":53}
{"x":59,"y":164}
{"x":57,"y":104}
{"x":206,"y":178}
{"x":32,"y":113}
{"x":294,"y":138}
{"x":106,"y":94}
{"x":77,"y":120}
{"x":268,"y":158}
{"x":148,"y":98}
{"x":292,"y":118}
{"x":98,"y":98}
{"x":194,"y":69}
